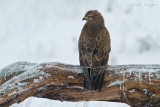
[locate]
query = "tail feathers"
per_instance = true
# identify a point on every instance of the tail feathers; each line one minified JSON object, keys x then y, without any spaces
{"x":93,"y":78}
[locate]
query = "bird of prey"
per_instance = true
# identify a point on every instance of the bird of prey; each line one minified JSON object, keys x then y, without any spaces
{"x":94,"y":48}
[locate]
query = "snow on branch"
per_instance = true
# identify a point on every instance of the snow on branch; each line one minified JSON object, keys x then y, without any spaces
{"x":136,"y":85}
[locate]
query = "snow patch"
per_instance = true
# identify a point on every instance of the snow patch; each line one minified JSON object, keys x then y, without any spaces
{"x":131,"y":91}
{"x":20,"y":71}
{"x":117,"y":82}
{"x":15,"y":68}
{"x":72,"y":77}
{"x":137,"y":71}
{"x":36,"y":80}
{"x":42,"y":102}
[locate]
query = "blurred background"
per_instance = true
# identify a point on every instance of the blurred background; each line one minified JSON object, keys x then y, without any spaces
{"x":48,"y":30}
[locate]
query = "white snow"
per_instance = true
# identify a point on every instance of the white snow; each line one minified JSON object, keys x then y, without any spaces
{"x":116,"y":82}
{"x":36,"y":80}
{"x":26,"y":70}
{"x":137,"y":70}
{"x":131,"y":91}
{"x":42,"y":102}
{"x":15,"y":68}
{"x":72,"y":77}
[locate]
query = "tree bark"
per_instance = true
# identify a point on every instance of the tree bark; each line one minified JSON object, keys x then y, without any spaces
{"x":136,"y":85}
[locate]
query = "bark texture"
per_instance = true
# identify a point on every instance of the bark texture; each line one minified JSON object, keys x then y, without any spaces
{"x":136,"y":85}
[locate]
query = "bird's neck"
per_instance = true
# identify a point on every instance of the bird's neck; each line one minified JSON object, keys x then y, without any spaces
{"x":93,"y":26}
{"x":92,"y":30}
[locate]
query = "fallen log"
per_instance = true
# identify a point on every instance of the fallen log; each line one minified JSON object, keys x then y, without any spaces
{"x":136,"y":85}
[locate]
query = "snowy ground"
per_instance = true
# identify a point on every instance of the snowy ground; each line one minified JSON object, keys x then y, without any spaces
{"x":48,"y":30}
{"x":41,"y":102}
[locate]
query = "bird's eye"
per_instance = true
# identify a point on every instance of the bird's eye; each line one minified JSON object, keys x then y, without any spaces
{"x":89,"y":16}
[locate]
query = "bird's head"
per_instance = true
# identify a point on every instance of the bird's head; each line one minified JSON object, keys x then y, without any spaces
{"x":94,"y":17}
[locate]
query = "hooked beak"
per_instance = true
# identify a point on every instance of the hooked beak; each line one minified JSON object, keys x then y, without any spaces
{"x":85,"y":18}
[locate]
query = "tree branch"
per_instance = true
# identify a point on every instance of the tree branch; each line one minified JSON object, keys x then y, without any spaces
{"x":136,"y":85}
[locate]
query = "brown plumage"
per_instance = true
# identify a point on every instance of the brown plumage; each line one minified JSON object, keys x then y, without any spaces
{"x":94,"y":48}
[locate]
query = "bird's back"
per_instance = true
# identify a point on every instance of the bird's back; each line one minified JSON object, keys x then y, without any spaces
{"x":94,"y":48}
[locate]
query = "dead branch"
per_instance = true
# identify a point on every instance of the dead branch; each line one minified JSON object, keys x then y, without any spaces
{"x":136,"y":85}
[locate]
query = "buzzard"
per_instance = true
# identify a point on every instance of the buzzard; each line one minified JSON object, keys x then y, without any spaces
{"x":94,"y":48}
